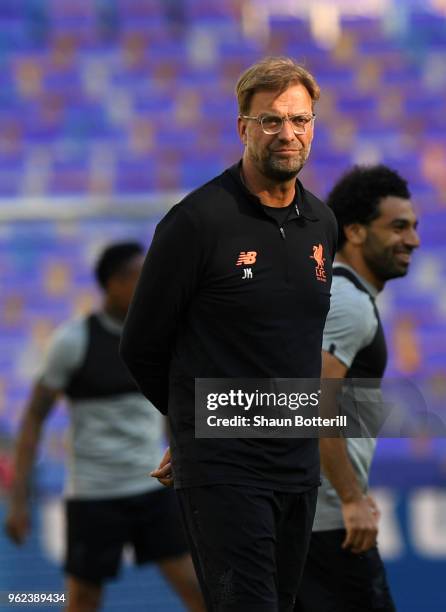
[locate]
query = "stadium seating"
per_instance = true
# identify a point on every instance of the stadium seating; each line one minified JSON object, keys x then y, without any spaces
{"x":132,"y":97}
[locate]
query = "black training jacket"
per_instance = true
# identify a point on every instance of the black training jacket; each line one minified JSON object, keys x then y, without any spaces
{"x":226,"y":292}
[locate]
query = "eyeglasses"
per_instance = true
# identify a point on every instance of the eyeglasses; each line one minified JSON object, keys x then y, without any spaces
{"x":273,"y":124}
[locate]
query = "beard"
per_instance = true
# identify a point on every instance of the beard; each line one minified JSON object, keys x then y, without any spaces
{"x":280,"y":169}
{"x":382,"y":261}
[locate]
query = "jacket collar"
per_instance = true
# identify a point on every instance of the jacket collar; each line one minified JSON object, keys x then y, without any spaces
{"x":301,"y":204}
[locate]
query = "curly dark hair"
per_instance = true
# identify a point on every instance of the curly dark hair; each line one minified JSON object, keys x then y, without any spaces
{"x":114,"y":259}
{"x":355,"y":198}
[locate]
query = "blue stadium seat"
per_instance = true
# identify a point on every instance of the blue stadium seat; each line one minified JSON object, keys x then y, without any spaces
{"x":136,"y":175}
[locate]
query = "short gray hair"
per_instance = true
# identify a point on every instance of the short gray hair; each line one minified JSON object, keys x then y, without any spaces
{"x":273,"y":74}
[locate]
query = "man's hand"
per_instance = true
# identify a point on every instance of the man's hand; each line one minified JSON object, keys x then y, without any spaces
{"x":17,"y":523}
{"x":361,"y":519}
{"x":40,"y":403}
{"x":164,"y":470}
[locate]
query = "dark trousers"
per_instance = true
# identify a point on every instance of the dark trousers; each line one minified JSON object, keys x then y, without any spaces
{"x":337,"y":580}
{"x":248,"y":544}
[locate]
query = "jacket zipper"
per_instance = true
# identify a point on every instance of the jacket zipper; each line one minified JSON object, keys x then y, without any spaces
{"x":285,"y":253}
{"x":281,"y":228}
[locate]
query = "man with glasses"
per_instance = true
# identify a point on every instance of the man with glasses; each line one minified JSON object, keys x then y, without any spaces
{"x":237,"y":284}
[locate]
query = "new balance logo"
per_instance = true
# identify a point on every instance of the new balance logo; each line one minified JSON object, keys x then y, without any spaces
{"x":247,"y":258}
{"x":247,"y":273}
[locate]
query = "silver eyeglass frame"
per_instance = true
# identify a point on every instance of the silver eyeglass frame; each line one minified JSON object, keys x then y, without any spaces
{"x":260,"y":118}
